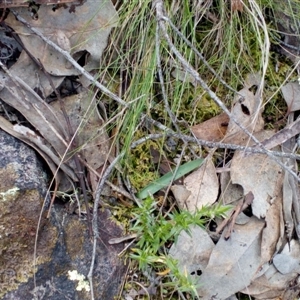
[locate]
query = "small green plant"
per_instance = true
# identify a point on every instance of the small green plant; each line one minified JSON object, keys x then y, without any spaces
{"x":154,"y":230}
{"x":180,"y":281}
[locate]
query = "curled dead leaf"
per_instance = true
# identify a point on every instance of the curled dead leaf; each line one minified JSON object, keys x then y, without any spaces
{"x":247,"y":112}
{"x":212,"y":130}
{"x":201,"y":187}
{"x":259,"y":174}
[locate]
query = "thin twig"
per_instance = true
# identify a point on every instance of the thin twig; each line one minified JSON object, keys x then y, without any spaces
{"x":190,"y":139}
{"x":170,"y":133}
{"x":113,"y":186}
{"x":67,"y":55}
{"x":95,"y":217}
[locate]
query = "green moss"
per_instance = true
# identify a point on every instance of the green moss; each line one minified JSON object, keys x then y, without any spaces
{"x":140,"y":169}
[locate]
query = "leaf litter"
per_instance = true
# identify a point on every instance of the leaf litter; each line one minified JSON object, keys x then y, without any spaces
{"x":255,"y":254}
{"x":20,"y":83}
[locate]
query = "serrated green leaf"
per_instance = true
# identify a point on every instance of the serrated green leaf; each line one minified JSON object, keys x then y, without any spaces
{"x":165,"y":180}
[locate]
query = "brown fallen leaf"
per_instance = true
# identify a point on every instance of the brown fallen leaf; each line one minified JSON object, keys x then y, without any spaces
{"x":202,"y":187}
{"x":247,"y":112}
{"x":159,"y":158}
{"x":291,"y":95}
{"x":34,"y":77}
{"x":181,"y":194}
{"x":212,"y":130}
{"x":232,"y":263}
{"x":280,"y":279}
{"x":86,"y":29}
{"x":19,"y":95}
{"x":44,"y":149}
{"x":259,"y":174}
{"x":230,"y":192}
{"x":237,"y":5}
{"x":192,"y":250}
{"x":91,"y":138}
{"x":271,"y":236}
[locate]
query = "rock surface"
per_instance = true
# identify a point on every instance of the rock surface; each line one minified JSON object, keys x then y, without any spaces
{"x":63,"y":244}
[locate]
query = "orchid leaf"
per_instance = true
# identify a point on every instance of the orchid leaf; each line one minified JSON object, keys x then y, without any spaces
{"x":166,"y":179}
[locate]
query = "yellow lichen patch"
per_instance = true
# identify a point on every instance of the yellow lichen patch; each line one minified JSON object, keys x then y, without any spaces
{"x":18,"y":225}
{"x":75,"y":230}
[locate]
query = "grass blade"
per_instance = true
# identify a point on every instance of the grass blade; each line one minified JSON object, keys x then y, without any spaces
{"x":165,"y":180}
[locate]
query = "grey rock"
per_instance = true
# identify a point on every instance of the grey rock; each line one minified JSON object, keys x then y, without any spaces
{"x":63,"y":243}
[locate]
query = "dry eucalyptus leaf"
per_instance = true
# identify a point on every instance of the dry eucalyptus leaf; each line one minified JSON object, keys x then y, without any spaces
{"x":286,"y":264}
{"x":271,"y":234}
{"x":212,"y":130}
{"x":291,"y":193}
{"x":296,"y":206}
{"x":53,"y":62}
{"x":233,"y":262}
{"x":203,"y":185}
{"x":274,"y":285}
{"x":86,"y":29}
{"x":91,"y":137}
{"x":252,"y":79}
{"x":34,"y":77}
{"x":230,"y":193}
{"x":287,"y":203}
{"x":28,"y":71}
{"x":271,"y":285}
{"x":18,"y":3}
{"x":40,"y":145}
{"x":181,"y":194}
{"x":192,"y":250}
{"x":19,"y":95}
{"x":259,"y":174}
{"x":291,"y":95}
{"x":247,"y":112}
{"x":62,"y":41}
